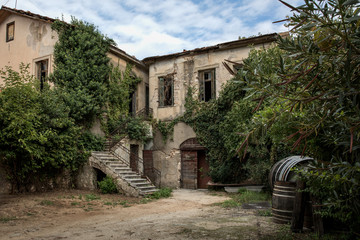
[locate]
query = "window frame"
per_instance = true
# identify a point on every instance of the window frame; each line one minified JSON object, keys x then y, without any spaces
{"x":39,"y":71}
{"x":8,"y":39}
{"x":170,"y":85}
{"x":202,"y":80}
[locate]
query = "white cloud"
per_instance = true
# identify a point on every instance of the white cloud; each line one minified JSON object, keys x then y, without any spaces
{"x":153,"y":27}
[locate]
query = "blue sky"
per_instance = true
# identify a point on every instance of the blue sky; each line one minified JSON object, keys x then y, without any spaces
{"x":144,"y":28}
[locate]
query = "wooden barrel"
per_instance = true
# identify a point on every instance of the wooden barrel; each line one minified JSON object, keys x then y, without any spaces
{"x":281,"y":170}
{"x":283,"y":201}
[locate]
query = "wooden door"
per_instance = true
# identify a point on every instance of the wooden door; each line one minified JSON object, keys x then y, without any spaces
{"x":189,"y":169}
{"x":202,"y":171}
{"x":134,"y":155}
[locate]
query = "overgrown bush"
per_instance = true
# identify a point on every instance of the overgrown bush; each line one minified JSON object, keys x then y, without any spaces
{"x":107,"y":185}
{"x":37,"y":137}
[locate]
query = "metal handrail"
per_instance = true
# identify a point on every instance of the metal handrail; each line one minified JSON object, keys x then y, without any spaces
{"x":145,"y":113}
{"x":157,"y":173}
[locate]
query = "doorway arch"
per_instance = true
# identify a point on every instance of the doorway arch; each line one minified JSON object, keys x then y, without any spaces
{"x":194,"y":167}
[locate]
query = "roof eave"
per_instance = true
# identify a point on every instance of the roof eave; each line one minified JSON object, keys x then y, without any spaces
{"x":268,"y":38}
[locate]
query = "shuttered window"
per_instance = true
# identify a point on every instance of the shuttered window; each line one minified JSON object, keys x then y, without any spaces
{"x":10,"y":31}
{"x":207,"y":85}
{"x":166,"y":91}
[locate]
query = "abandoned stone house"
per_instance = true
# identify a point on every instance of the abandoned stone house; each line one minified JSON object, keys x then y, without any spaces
{"x":28,"y":38}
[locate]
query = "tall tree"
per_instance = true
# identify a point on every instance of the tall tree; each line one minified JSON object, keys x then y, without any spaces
{"x":82,"y":68}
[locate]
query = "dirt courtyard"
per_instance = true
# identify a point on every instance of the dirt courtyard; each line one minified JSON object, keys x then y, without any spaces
{"x":187,"y":214}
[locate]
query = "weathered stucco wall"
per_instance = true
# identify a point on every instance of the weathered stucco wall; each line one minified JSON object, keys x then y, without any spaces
{"x":167,"y":156}
{"x":185,"y":71}
{"x":33,"y":41}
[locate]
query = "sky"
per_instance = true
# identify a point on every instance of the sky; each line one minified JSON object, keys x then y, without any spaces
{"x":145,"y":28}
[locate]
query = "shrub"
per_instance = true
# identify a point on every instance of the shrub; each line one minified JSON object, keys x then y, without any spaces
{"x":162,"y":193}
{"x":107,"y":185}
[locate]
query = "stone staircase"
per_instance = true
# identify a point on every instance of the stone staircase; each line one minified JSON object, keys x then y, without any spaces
{"x":128,"y":181}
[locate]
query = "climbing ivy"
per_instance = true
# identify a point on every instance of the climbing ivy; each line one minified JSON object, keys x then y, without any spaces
{"x":38,"y":139}
{"x":82,"y":69}
{"x":122,"y":85}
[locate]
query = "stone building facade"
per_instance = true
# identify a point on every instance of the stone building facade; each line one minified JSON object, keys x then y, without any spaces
{"x":28,"y":38}
{"x":181,"y":159}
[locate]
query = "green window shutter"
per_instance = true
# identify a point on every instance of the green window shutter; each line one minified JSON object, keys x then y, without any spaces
{"x":213,"y":85}
{"x":161,"y":92}
{"x":201,"y":86}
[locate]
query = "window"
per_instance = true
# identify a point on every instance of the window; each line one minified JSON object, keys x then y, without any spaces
{"x":147,"y":100}
{"x":237,"y":67}
{"x":166,"y":91}
{"x":207,"y":89}
{"x":10,"y":31}
{"x":42,"y":71}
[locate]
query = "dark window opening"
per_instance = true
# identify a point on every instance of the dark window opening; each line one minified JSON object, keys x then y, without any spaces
{"x":147,"y":100}
{"x":207,"y":90}
{"x":42,"y":72}
{"x":10,"y":31}
{"x":166,"y":91}
{"x":237,"y":67}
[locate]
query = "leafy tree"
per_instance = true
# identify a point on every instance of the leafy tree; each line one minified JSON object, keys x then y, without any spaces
{"x":82,"y":69}
{"x":316,"y":85}
{"x":37,"y":137}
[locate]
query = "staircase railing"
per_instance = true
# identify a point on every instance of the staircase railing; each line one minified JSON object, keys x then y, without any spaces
{"x":145,"y":113}
{"x":153,"y":174}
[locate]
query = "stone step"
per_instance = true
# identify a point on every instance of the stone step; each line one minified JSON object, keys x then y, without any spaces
{"x":123,"y":170}
{"x":137,"y":180}
{"x":143,"y":184}
{"x":118,"y":165}
{"x":130,"y":177}
{"x":148,"y":192}
{"x":146,"y":188}
{"x":126,"y":171}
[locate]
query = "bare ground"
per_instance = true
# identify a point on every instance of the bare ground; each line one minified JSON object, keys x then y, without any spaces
{"x":188,"y":214}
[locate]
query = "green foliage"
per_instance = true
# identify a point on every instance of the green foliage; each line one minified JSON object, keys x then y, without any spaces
{"x":91,"y":142}
{"x":46,"y":203}
{"x":245,"y":196}
{"x":133,"y":127}
{"x":122,"y":85}
{"x":107,"y":185}
{"x":81,"y":69}
{"x":37,"y":135}
{"x":313,"y":101}
{"x":7,"y":219}
{"x":91,"y":197}
{"x":161,"y":193}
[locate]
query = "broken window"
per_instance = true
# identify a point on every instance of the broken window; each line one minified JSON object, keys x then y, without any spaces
{"x":42,"y":71}
{"x":207,"y":86}
{"x":237,"y":67}
{"x":10,"y":31}
{"x":166,"y":91}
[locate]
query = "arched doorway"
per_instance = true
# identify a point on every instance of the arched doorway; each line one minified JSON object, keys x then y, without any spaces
{"x":194,"y":168}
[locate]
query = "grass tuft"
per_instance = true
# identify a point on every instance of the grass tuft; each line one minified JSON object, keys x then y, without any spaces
{"x":244,"y":196}
{"x":46,"y":203}
{"x":91,"y":197}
